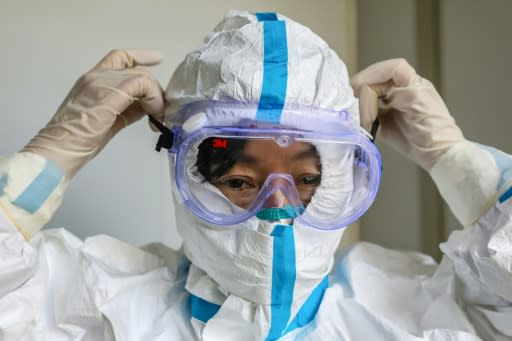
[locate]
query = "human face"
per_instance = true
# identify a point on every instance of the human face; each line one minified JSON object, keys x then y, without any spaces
{"x":242,"y":182}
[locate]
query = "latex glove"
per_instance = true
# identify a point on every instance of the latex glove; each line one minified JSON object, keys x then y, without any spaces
{"x":418,"y":124}
{"x":113,"y":95}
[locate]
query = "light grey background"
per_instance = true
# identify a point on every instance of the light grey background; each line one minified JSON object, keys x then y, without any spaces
{"x":476,"y":66}
{"x":387,"y":29}
{"x":46,"y":45}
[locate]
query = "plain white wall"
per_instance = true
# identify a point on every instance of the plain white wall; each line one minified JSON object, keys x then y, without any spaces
{"x":46,"y":45}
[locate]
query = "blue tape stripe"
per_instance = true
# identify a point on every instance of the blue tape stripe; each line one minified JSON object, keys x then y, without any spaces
{"x":309,"y":309}
{"x":503,"y":162}
{"x":266,"y":16}
{"x":40,"y":189}
{"x":275,"y":69}
{"x":283,"y":279}
{"x":3,"y":183}
{"x":202,"y":310}
{"x":505,"y":196}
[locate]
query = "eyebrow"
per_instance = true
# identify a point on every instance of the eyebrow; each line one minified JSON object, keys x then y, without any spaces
{"x":306,"y":154}
{"x":247,"y":159}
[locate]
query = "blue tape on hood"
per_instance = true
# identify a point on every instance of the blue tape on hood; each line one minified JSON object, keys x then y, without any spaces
{"x":266,"y":16}
{"x":275,"y":68}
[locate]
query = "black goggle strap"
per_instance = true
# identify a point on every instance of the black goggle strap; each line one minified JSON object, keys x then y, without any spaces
{"x":374,"y":128}
{"x":166,"y":138}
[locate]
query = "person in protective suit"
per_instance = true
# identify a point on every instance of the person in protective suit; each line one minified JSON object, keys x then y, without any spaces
{"x":270,"y":161}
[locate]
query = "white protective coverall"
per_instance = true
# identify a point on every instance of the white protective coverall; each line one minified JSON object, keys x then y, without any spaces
{"x":54,"y":286}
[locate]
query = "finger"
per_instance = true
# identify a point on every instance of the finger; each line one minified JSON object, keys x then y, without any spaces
{"x":390,"y":126}
{"x":395,"y":72}
{"x":373,"y":108}
{"x":145,"y":89}
{"x":381,"y":89}
{"x":132,"y":114}
{"x":123,"y":59}
{"x":368,"y":106}
{"x":159,"y":117}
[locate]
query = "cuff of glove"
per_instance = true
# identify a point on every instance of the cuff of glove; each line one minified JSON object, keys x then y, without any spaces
{"x":31,"y":190}
{"x":471,"y":178}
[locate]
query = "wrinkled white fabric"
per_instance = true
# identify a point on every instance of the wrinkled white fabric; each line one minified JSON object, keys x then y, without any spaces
{"x":229,"y":66}
{"x":60,"y":288}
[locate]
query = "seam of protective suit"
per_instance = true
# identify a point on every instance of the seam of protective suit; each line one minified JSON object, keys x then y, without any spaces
{"x":21,"y":169}
{"x":13,"y":221}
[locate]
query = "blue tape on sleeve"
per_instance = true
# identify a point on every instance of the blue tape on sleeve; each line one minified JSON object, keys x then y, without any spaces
{"x":40,"y":188}
{"x":504,"y":164}
{"x":504,"y":197}
{"x":3,"y":183}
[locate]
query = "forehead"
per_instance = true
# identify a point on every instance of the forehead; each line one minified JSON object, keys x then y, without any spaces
{"x":257,"y":144}
{"x":269,"y":151}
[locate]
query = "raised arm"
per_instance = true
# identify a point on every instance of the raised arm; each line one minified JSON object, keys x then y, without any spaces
{"x":475,"y":180}
{"x":113,"y":95}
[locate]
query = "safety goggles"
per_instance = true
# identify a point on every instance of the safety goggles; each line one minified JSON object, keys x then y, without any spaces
{"x":229,"y":166}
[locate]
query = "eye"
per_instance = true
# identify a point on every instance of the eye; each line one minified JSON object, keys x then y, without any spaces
{"x":235,"y":184}
{"x":310,"y":180}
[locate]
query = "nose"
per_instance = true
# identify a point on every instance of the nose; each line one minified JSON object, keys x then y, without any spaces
{"x":276,"y":199}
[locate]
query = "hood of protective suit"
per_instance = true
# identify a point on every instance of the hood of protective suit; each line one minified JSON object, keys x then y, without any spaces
{"x":260,"y":279}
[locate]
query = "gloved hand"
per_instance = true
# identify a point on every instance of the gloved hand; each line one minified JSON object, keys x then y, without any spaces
{"x":418,"y":123}
{"x":111,"y":96}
